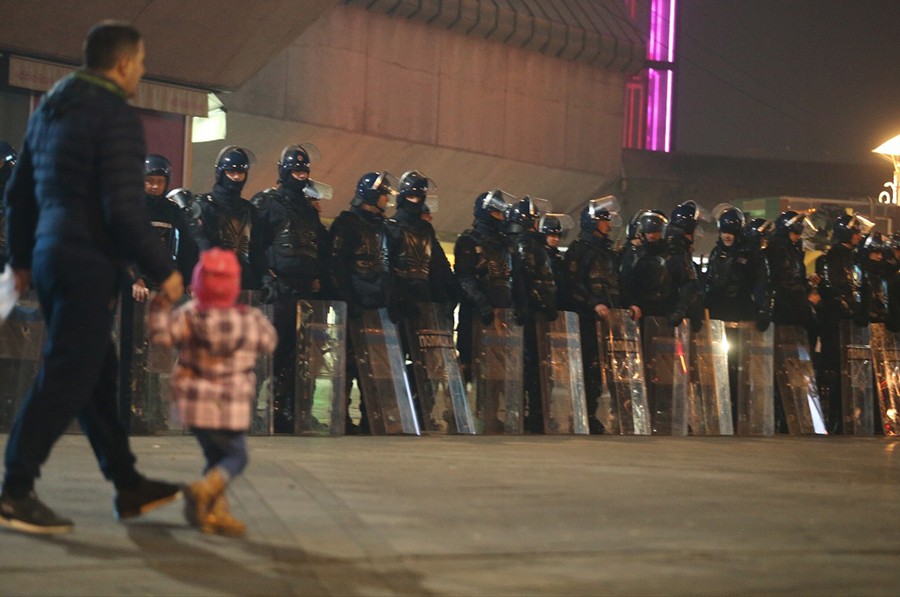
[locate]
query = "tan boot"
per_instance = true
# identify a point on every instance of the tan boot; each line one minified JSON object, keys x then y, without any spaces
{"x":219,"y":520}
{"x":200,"y":496}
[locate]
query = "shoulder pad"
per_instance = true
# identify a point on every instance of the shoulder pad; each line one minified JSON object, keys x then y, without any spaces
{"x":261,"y":199}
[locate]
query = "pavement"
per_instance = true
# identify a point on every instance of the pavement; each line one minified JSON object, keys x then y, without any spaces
{"x":526,"y":515}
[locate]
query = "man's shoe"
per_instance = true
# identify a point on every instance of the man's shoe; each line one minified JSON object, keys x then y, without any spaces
{"x":146,"y":496}
{"x":30,"y":515}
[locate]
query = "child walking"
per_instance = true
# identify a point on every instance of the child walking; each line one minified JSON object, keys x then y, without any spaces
{"x":214,"y":380}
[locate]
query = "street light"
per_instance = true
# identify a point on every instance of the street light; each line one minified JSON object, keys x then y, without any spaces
{"x":890,"y":150}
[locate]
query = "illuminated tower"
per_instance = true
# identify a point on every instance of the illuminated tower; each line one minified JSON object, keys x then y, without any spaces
{"x":648,"y":94}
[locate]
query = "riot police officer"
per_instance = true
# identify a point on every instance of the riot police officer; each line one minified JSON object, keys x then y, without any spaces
{"x":168,"y":220}
{"x":550,"y":232}
{"x":736,"y":283}
{"x":483,"y":269}
{"x":359,"y":263}
{"x":224,"y":219}
{"x":296,"y":259}
{"x":7,"y":163}
{"x":794,"y":297}
{"x":875,"y":259}
{"x":535,"y":286}
{"x":171,"y":225}
{"x":420,"y":269}
{"x":841,"y":288}
{"x":591,"y":288}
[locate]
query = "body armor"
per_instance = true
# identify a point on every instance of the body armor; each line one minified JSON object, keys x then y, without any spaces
{"x":360,"y":258}
{"x":535,"y":276}
{"x":788,"y":280}
{"x":298,"y":238}
{"x":591,"y":274}
{"x":647,"y":282}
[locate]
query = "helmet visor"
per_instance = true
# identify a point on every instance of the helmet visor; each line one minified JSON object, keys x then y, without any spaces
{"x":316,"y":191}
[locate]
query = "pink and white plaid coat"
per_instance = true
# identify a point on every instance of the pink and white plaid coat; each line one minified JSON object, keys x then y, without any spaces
{"x":214,"y":380}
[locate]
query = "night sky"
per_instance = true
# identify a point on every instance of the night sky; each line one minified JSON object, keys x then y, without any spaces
{"x":787,"y":79}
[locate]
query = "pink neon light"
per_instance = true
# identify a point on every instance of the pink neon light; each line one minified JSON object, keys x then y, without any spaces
{"x":659,"y":92}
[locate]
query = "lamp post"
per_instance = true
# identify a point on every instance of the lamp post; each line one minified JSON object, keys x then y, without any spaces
{"x":890,"y":150}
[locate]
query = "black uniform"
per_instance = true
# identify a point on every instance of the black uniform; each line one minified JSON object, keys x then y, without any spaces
{"x":591,"y":278}
{"x":360,"y":274}
{"x":841,"y":286}
{"x":737,"y":284}
{"x":421,"y":270}
{"x":228,"y":221}
{"x":788,"y":282}
{"x":484,"y":262}
{"x":297,"y":257}
{"x":535,"y":285}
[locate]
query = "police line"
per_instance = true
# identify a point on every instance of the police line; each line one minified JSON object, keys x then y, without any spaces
{"x":657,"y":379}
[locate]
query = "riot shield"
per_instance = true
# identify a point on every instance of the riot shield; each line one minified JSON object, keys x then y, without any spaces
{"x":666,"y":357}
{"x":22,"y":337}
{"x":753,"y":350}
{"x":623,"y":400}
{"x":886,"y":358}
{"x":382,"y":375}
{"x":261,"y":417}
{"x":857,"y":393}
{"x":709,"y":399}
{"x":320,"y":405}
{"x":797,"y":382}
{"x":497,"y":375}
{"x":439,"y":383}
{"x":150,"y":376}
{"x":562,"y":375}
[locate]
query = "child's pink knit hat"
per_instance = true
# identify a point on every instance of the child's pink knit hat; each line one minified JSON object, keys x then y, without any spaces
{"x":216,"y":281}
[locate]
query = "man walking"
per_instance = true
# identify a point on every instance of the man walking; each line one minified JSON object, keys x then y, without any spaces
{"x":76,"y":216}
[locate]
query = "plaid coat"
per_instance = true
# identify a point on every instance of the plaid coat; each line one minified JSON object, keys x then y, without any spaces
{"x":214,"y":380}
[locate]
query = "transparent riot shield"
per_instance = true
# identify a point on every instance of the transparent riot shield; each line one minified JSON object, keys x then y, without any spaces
{"x":439,"y":383}
{"x":886,"y":358}
{"x":857,"y":393}
{"x":797,"y":382}
{"x":709,"y":399}
{"x":320,"y":404}
{"x":261,"y":417}
{"x":562,"y":375}
{"x":382,"y":375}
{"x":497,"y":375}
{"x":666,"y":357}
{"x":752,"y":350}
{"x":623,"y":401}
{"x":150,"y":375}
{"x":22,"y":337}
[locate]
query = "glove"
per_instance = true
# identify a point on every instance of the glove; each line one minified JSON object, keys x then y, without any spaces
{"x":551,"y":314}
{"x":675,"y":319}
{"x":487,"y":316}
{"x":269,"y":291}
{"x":763,"y":320}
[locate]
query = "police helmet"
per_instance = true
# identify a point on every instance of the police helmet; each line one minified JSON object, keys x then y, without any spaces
{"x":494,"y":201}
{"x":790,"y":221}
{"x":685,"y":216}
{"x":731,"y":221}
{"x":232,"y":159}
{"x":157,"y":165}
{"x":845,"y":227}
{"x":372,"y":185}
{"x":294,"y":158}
{"x":650,"y":222}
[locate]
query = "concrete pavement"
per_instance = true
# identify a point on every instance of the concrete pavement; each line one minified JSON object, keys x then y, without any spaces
{"x":529,"y":515}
